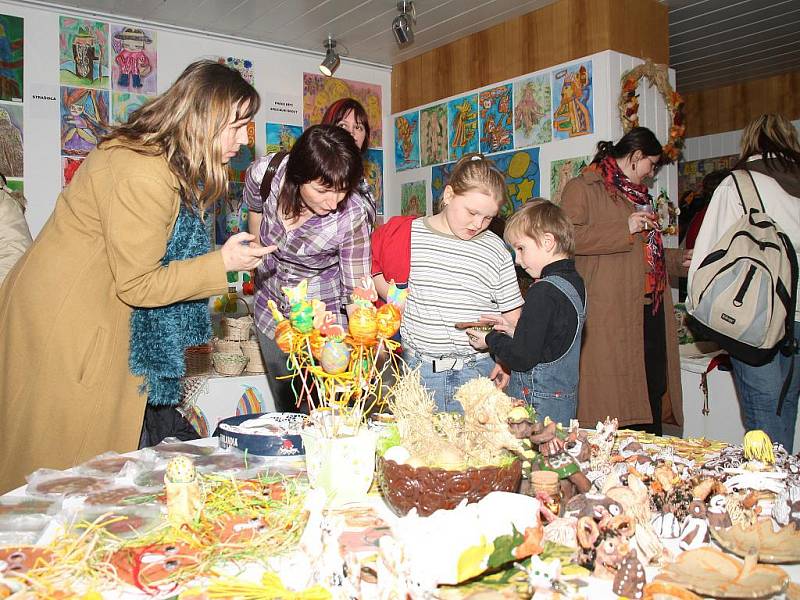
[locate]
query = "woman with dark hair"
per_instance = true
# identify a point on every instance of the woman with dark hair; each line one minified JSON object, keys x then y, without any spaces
{"x":349,"y":114}
{"x":116,"y":285}
{"x":771,"y":154}
{"x":311,"y":209}
{"x":629,"y":358}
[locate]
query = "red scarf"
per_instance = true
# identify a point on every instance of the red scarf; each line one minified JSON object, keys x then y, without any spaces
{"x":616,"y":181}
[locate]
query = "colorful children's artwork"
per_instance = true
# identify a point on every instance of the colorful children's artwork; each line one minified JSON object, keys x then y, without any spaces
{"x":124,"y":103}
{"x":497,"y":120}
{"x":197,"y":419}
{"x":243,"y":65}
{"x":573,"y":112}
{"x":532,"y":122}
{"x":12,"y":35}
{"x":281,"y":137}
{"x":319,"y":92}
{"x":134,"y":60}
{"x":692,"y":172}
{"x":246,"y":155}
{"x":412,"y":198}
{"x":440,"y":175}
{"x":462,"y":117}
{"x":84,"y":119}
{"x":230,"y":214}
{"x":561,"y":171}
{"x":406,"y":141}
{"x":68,"y":168}
{"x":433,"y":135}
{"x":521,"y":169}
{"x":373,"y":172}
{"x":11,"y":156}
{"x":16,"y":185}
{"x":83,"y":53}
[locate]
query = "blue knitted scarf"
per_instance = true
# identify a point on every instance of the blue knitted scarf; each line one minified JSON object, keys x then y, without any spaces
{"x":160,"y":335}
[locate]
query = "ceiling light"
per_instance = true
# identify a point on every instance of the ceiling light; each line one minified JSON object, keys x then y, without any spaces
{"x":401,"y":26}
{"x":331,"y":61}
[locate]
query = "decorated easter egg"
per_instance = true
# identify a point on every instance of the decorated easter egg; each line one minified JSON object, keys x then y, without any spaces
{"x":284,"y":336}
{"x":302,"y":316}
{"x":363,"y":326}
{"x":335,"y":357}
{"x":388,"y":320}
{"x":180,"y":470}
{"x":316,"y":341}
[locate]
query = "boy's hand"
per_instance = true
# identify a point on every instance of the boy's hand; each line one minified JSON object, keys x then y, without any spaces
{"x":477,"y":339}
{"x":500,"y":323}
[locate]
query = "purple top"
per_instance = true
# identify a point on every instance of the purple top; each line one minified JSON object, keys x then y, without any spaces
{"x":331,"y":252}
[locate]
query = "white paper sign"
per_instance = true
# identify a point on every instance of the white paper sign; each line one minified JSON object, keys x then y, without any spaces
{"x":43,"y":101}
{"x":284,"y":109}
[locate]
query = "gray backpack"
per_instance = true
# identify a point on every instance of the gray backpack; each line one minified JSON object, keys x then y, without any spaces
{"x":743,"y":294}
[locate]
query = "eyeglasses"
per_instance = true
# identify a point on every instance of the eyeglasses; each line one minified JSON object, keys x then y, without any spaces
{"x":655,"y":164}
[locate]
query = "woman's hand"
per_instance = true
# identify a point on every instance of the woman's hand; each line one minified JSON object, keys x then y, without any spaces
{"x":687,"y":258}
{"x":642,"y":221}
{"x":500,"y":376}
{"x":477,"y":339}
{"x":500,"y":323}
{"x":242,"y":253}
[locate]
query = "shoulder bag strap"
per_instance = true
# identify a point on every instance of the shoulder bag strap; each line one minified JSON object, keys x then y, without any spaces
{"x":269,"y":175}
{"x":748,"y":192}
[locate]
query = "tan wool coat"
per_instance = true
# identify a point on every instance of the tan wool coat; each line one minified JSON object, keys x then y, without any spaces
{"x":66,"y":393}
{"x":611,"y":261}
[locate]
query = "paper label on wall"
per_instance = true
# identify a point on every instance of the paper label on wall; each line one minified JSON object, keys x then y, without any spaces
{"x":43,"y":101}
{"x":284,"y":109}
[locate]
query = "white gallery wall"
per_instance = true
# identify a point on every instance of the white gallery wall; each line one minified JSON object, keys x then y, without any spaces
{"x":276,"y":71}
{"x":717,"y":144}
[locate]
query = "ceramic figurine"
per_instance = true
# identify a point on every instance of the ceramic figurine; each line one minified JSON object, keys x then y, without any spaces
{"x":630,"y":579}
{"x":694,"y":529}
{"x":542,"y":578}
{"x":554,"y":457}
{"x":717,"y":513}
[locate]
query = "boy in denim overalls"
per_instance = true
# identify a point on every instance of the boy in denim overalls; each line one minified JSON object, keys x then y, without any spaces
{"x":542,"y":349}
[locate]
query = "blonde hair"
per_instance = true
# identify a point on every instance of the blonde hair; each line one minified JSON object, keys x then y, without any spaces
{"x":540,"y":216}
{"x":774,"y":137}
{"x":185,"y":124}
{"x":476,"y":173}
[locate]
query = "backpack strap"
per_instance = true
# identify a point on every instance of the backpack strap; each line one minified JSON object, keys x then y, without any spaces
{"x":790,"y":343}
{"x":748,"y":192}
{"x":269,"y":175}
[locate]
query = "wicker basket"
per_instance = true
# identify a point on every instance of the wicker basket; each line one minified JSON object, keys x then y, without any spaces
{"x":198,"y":360}
{"x":252,"y":351}
{"x":226,"y":363}
{"x":227,"y":346}
{"x":238,"y":329}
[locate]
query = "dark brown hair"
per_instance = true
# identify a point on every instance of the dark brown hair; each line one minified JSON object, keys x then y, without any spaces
{"x":338,"y":111}
{"x":324,"y":153}
{"x":638,"y":138}
{"x":185,"y":124}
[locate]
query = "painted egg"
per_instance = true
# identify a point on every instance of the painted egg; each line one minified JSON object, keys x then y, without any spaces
{"x":284,"y":336}
{"x":388,"y":320}
{"x":363,"y":326}
{"x":180,"y":470}
{"x":316,"y":341}
{"x":302,"y":317}
{"x":335,"y":357}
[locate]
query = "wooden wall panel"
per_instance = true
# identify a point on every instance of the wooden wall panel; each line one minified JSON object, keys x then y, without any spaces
{"x":557,"y":33}
{"x":731,"y":107}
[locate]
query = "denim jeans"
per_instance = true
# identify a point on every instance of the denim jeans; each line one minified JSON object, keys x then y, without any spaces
{"x":443,"y":385}
{"x":759,"y":390}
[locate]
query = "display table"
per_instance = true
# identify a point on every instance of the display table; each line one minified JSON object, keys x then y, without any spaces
{"x":723,"y":421}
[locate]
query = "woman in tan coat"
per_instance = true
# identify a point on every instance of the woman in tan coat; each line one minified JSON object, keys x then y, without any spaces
{"x":66,"y":390}
{"x":629,"y":358}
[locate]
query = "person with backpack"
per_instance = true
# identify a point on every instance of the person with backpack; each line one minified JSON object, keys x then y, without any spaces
{"x":766,"y":180}
{"x":308,"y":204}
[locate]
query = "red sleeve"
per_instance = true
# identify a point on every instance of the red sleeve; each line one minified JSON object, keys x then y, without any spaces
{"x":391,"y":249}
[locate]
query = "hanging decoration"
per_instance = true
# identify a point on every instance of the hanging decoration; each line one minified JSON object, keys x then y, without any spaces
{"x":658,"y":76}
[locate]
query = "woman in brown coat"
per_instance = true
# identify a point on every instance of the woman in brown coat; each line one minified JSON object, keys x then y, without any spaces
{"x":66,"y":390}
{"x":629,"y":358}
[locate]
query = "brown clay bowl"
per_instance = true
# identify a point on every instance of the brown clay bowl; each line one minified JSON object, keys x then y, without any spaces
{"x":429,"y":489}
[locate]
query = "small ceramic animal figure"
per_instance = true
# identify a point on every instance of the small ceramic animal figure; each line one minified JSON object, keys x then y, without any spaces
{"x":542,"y":578}
{"x":694,"y":529}
{"x":717,"y":512}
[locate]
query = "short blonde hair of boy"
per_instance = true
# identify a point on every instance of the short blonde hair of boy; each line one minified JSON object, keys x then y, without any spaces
{"x":540,"y":216}
{"x":476,"y":172}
